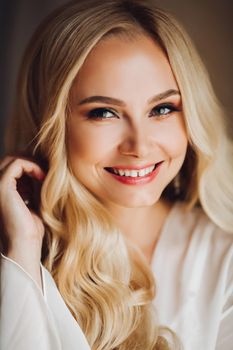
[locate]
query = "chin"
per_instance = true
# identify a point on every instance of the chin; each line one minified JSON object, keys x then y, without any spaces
{"x":136,"y":200}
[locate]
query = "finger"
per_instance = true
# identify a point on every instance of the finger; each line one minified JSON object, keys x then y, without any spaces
{"x":6,"y":161}
{"x":20,"y":166}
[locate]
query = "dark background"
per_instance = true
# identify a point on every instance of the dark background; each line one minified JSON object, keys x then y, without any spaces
{"x":209,"y":23}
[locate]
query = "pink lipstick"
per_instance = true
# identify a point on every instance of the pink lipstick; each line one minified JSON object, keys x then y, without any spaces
{"x":131,"y":177}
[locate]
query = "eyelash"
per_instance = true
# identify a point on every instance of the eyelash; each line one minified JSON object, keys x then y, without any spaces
{"x":169,"y":106}
{"x":97,"y":113}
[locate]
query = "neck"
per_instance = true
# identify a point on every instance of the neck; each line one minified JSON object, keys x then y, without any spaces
{"x":141,"y":226}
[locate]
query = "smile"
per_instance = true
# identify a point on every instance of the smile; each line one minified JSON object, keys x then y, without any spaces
{"x":133,"y":172}
{"x":134,"y":176}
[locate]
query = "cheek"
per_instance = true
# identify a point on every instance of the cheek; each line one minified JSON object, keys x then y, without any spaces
{"x":177,"y":144}
{"x":173,"y":138}
{"x":91,"y":143}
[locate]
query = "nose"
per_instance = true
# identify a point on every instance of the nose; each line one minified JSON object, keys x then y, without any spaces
{"x":137,"y":141}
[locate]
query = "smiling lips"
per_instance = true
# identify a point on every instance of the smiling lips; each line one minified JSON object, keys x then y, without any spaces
{"x":135,"y":176}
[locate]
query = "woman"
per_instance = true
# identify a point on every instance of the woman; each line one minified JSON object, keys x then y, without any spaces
{"x":117,"y":118}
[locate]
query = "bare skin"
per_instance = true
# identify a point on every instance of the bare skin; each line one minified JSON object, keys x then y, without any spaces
{"x":23,"y":227}
{"x":142,"y":226}
{"x":127,"y":130}
{"x":134,"y":133}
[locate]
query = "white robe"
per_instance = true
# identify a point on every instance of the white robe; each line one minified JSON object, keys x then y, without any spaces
{"x":193,"y":267}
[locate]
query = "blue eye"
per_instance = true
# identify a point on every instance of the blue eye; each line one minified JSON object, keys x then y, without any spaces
{"x":163,"y":110}
{"x":101,"y":113}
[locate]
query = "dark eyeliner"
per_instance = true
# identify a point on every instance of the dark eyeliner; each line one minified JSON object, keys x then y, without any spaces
{"x":98,"y":113}
{"x":169,"y":106}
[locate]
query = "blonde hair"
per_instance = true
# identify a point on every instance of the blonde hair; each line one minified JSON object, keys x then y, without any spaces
{"x":105,"y":282}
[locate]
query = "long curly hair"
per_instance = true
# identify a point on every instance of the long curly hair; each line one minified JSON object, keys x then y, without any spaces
{"x":106,"y":282}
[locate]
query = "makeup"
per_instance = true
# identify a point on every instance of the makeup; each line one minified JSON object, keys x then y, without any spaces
{"x":135,"y":176}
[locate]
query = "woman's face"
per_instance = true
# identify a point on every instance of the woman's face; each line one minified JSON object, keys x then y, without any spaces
{"x":126,"y":134}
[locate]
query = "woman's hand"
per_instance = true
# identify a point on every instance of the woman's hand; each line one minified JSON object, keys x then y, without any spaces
{"x":22,"y":226}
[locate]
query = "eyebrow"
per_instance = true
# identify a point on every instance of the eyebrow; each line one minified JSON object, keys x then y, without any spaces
{"x":115,"y":101}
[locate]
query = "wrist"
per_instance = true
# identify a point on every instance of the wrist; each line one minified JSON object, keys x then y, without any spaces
{"x":28,"y":257}
{"x":25,"y":243}
{"x":25,"y":249}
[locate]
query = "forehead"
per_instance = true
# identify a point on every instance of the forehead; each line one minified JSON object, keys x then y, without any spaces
{"x":118,"y":67}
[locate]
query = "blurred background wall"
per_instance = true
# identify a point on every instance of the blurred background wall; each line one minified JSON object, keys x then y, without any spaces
{"x":209,"y":22}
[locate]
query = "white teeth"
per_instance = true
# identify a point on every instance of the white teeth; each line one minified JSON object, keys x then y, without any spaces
{"x":134,"y":173}
{"x":126,"y":172}
{"x":142,"y":172}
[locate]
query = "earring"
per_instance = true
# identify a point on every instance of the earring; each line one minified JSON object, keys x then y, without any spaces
{"x":176,"y":182}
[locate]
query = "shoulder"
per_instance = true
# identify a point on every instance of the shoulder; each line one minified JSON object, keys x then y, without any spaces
{"x":196,"y":224}
{"x":207,"y":245}
{"x":202,"y":253}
